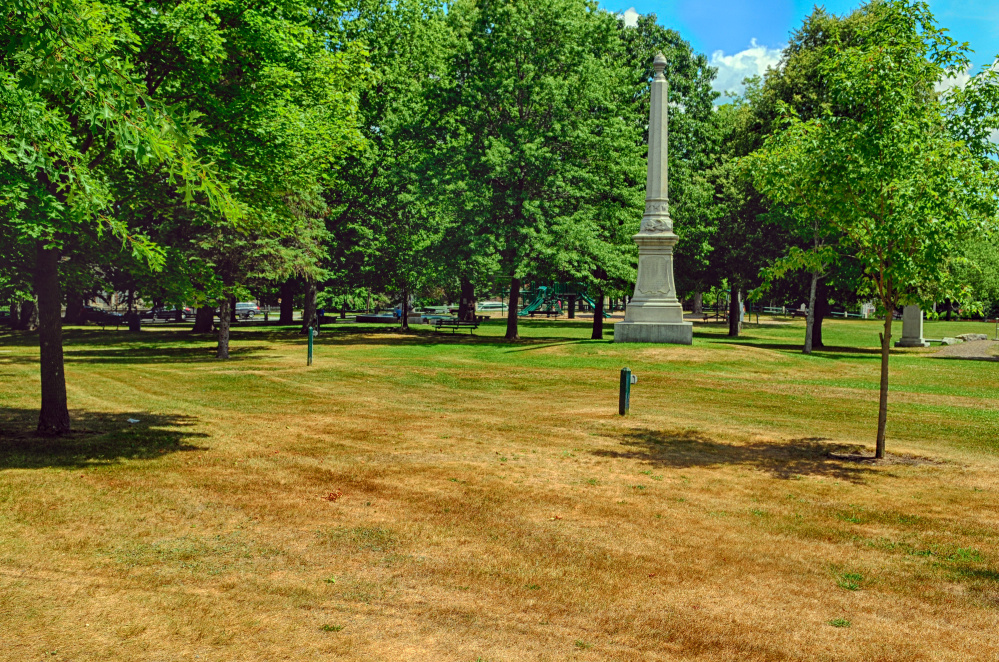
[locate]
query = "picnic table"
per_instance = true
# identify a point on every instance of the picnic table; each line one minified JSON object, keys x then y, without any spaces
{"x":454,"y":324}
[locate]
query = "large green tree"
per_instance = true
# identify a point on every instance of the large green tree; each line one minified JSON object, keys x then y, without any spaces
{"x":533,"y":86}
{"x":881,"y":163}
{"x":75,"y":108}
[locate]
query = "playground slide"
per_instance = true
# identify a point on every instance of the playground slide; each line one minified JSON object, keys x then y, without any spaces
{"x":534,"y":305}
{"x":591,"y":303}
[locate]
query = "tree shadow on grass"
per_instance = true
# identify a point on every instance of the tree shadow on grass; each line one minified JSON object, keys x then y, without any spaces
{"x":393,"y":336}
{"x":147,"y":355}
{"x":97,"y":439}
{"x":682,"y":449}
{"x":826,"y":352}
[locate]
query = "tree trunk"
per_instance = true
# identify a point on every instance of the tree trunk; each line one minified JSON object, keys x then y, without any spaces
{"x":225,"y":317}
{"x":15,"y":314}
{"x":572,"y":306}
{"x":74,"y":308}
{"x":343,"y":309}
{"x":404,"y":310}
{"x":28,"y":320}
{"x":598,"y":316}
{"x":879,"y":451}
{"x":232,"y":309}
{"x":822,"y":309}
{"x":53,"y":419}
{"x":131,"y":315}
{"x":511,"y":312}
{"x":698,"y":307}
{"x":466,"y":305}
{"x":950,"y":308}
{"x":287,"y":302}
{"x":309,"y":311}
{"x":204,"y":320}
{"x":810,"y":316}
{"x":735,"y":312}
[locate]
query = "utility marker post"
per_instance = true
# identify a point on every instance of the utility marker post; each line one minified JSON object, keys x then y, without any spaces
{"x":310,"y":346}
{"x":624,"y":397}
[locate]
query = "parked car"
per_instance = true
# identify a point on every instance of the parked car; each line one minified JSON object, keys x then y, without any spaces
{"x":101,"y":316}
{"x":247,"y":309}
{"x":168,"y":313}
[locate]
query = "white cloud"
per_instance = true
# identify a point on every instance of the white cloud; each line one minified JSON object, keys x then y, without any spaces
{"x":732,"y":69}
{"x":630,"y":17}
{"x":953,"y":78}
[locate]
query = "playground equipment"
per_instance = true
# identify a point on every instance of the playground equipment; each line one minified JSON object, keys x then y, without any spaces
{"x":552,"y":300}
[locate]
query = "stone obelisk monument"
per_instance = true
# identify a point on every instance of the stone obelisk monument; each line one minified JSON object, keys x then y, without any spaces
{"x":654,"y":314}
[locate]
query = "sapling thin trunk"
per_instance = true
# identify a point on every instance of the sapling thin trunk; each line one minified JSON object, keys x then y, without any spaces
{"x":879,"y":450}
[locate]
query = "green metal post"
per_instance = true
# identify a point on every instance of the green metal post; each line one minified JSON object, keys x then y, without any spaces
{"x":625,"y":394}
{"x":310,"y":345}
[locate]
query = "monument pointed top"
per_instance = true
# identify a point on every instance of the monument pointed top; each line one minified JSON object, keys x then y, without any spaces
{"x":659,"y":63}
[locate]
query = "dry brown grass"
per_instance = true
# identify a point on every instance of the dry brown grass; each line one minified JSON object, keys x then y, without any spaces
{"x":492,"y":508}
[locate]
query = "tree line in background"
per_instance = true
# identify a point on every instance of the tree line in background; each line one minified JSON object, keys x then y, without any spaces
{"x":312,"y":151}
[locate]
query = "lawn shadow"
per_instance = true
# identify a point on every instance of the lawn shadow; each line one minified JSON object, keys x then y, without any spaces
{"x":827,"y":351}
{"x":681,"y":449}
{"x":97,"y":439}
{"x":392,"y":335}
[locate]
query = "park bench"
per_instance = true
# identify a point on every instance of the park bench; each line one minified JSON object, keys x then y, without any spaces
{"x":719,"y":316}
{"x":454,"y":325}
{"x":546,"y":313}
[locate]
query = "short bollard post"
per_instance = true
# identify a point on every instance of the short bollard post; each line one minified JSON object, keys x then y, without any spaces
{"x":310,"y":345}
{"x":625,"y":395}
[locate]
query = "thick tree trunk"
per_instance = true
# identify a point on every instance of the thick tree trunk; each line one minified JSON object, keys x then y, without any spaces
{"x":466,"y":304}
{"x":28,"y":320}
{"x":53,"y":418}
{"x":404,"y":310}
{"x":735,"y":312}
{"x":572,"y":306}
{"x":131,"y":315}
{"x":598,"y":317}
{"x":204,"y":320}
{"x":511,"y":313}
{"x":74,"y":308}
{"x":698,"y":308}
{"x":822,"y":309}
{"x":879,"y":450}
{"x":810,"y":316}
{"x":225,"y":317}
{"x":15,"y":314}
{"x":309,"y":311}
{"x":287,"y":302}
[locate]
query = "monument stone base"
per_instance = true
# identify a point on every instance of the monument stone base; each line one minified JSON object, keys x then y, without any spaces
{"x":675,"y":333}
{"x":912,"y":342}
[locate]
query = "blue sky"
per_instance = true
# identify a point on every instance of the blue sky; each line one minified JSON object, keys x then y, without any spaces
{"x":743,"y":37}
